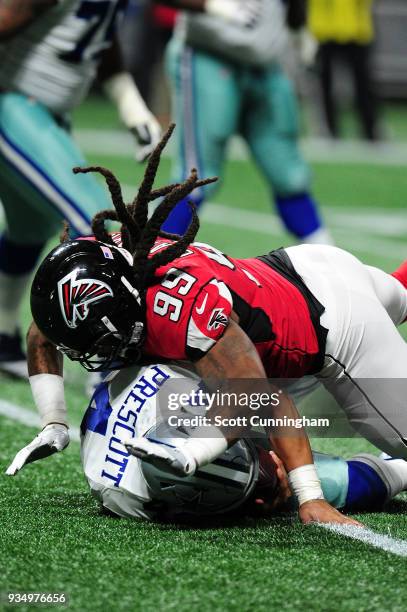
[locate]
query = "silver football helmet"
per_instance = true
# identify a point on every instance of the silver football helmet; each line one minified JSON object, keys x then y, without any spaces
{"x":216,"y":488}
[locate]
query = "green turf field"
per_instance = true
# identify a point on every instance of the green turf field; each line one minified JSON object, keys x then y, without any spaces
{"x":53,"y":537}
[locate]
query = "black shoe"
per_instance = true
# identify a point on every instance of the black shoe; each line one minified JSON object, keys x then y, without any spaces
{"x":12,"y":357}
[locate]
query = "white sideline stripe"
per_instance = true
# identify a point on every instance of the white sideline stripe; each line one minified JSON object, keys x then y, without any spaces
{"x":367,"y":536}
{"x":380,"y":221}
{"x":29,"y":418}
{"x":322,"y":150}
{"x":371,"y":538}
{"x":352,"y":228}
{"x":269,"y":224}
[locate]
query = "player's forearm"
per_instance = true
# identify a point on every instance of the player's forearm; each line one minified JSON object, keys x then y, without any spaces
{"x":120,"y":88}
{"x":42,"y":355}
{"x":233,"y":366}
{"x":15,"y":15}
{"x":290,"y":443}
{"x":234,"y":362}
{"x":45,"y":366}
{"x":111,"y":62}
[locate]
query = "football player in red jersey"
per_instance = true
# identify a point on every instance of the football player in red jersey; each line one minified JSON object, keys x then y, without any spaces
{"x":303,"y":310}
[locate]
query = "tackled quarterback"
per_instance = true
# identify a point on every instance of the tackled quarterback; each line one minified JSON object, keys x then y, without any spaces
{"x":113,"y":301}
{"x":248,"y":478}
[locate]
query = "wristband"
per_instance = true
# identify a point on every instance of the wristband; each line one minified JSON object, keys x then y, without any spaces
{"x":205,"y":444}
{"x":48,"y":394}
{"x":305,"y":484}
{"x":122,"y":90}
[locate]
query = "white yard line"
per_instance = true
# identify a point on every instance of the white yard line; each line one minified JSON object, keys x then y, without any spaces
{"x":367,"y":536}
{"x":270,"y":225}
{"x":28,"y":417}
{"x":383,"y":222}
{"x":371,"y":538}
{"x":352,"y":226}
{"x":359,"y":230}
{"x":120,"y":143}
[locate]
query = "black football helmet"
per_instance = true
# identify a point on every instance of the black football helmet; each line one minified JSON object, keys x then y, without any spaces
{"x":83,"y":299}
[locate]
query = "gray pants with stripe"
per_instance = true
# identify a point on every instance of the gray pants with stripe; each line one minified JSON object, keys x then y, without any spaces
{"x":365,"y":366}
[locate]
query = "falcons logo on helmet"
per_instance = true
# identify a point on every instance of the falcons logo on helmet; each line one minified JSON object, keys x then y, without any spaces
{"x":75,"y":295}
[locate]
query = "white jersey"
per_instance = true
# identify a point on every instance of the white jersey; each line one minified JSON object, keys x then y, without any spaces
{"x":125,"y":408}
{"x":260,"y":45}
{"x":54,"y":59}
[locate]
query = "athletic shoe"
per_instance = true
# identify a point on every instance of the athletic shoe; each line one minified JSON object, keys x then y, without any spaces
{"x":12,"y":357}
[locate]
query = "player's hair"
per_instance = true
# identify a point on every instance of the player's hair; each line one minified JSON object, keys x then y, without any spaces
{"x":138,"y":232}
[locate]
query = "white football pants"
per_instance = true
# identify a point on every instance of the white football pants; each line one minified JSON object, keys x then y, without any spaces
{"x":365,"y":366}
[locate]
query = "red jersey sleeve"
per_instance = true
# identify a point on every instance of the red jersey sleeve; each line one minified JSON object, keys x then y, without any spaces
{"x":187,"y":313}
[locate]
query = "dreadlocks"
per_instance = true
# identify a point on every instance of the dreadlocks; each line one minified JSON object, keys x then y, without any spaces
{"x":138,"y":232}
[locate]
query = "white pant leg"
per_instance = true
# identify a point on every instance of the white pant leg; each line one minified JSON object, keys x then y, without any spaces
{"x":366,"y":358}
{"x":391,"y":294}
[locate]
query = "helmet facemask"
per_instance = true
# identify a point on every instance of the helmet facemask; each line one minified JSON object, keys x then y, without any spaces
{"x":114,"y":345}
{"x":110,"y":351}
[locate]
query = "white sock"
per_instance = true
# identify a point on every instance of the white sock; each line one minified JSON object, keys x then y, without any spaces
{"x":204,"y":449}
{"x":398,"y":469}
{"x":12,"y":289}
{"x":320,"y":236}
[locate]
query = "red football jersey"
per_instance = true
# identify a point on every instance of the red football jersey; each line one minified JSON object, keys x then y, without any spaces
{"x":189,"y":308}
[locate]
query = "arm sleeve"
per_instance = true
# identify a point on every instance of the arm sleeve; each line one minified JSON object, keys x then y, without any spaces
{"x":191,"y":324}
{"x":208,"y":319}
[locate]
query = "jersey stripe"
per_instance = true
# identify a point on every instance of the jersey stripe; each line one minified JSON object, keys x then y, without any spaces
{"x":43,"y":184}
{"x":189,"y":145}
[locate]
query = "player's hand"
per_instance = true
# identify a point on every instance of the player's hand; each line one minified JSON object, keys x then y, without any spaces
{"x":280,"y":494}
{"x":167,"y":458}
{"x":245,"y":13}
{"x":147,"y":134}
{"x":52,"y":439}
{"x":133,"y":111}
{"x":319,"y":511}
{"x":306,"y":47}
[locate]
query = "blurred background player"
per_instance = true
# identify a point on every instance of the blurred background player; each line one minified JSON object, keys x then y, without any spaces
{"x":344,"y":29}
{"x":226,"y":78}
{"x":49,"y":53}
{"x":146,"y":30}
